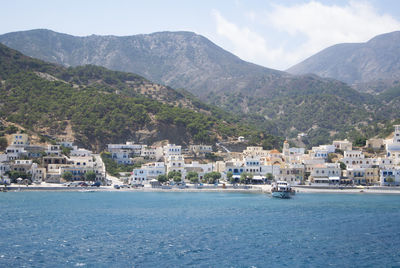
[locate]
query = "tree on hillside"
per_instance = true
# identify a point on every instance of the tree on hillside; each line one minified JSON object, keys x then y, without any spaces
{"x":11,"y":129}
{"x":360,"y":141}
{"x":3,"y":143}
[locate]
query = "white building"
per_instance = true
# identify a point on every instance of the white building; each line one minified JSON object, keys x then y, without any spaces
{"x":122,"y":153}
{"x":172,"y":149}
{"x":292,"y":173}
{"x":80,"y":152}
{"x":80,"y":165}
{"x":67,"y":144}
{"x":273,"y":169}
{"x":53,"y":149}
{"x":343,"y":145}
{"x":200,"y":169}
{"x":19,"y":140}
{"x":252,"y":165}
{"x":200,"y":150}
{"x":121,"y":156}
{"x":147,"y":172}
{"x":149,"y":152}
{"x":319,"y":152}
{"x":382,"y":162}
{"x":255,"y":151}
{"x":4,"y":167}
{"x":14,"y":152}
{"x":393,"y":148}
{"x":390,"y":176}
{"x":327,"y":173}
{"x":176,"y":163}
{"x":356,"y":159}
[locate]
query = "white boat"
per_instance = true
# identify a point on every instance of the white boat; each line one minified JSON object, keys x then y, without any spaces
{"x":281,"y":189}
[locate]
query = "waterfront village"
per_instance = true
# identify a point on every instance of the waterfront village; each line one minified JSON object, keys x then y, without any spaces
{"x":167,"y":165}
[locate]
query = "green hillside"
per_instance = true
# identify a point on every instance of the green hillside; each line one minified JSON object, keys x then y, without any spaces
{"x":271,"y":100}
{"x":102,"y":106}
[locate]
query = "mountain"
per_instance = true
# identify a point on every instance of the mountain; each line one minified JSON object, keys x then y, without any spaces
{"x":178,"y":59}
{"x":372,"y":66}
{"x":274,"y":101}
{"x":95,"y":106}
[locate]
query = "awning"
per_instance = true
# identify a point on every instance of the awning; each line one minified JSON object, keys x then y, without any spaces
{"x":321,"y":179}
{"x":334,"y":178}
{"x":258,"y":178}
{"x":236,"y":176}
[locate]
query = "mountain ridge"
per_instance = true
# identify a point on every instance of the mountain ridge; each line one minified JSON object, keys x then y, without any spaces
{"x":273,"y":100}
{"x":100,"y":107}
{"x":363,"y":65}
{"x":184,"y":65}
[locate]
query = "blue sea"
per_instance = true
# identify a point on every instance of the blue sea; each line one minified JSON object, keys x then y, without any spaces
{"x":128,"y":229}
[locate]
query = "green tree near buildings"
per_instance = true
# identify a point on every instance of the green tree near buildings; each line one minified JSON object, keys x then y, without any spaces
{"x":162,"y":178}
{"x":65,"y":150}
{"x":175,"y":176}
{"x":390,"y":180}
{"x":269,"y":176}
{"x":90,"y":176}
{"x":245,"y":177}
{"x":212,"y":177}
{"x":331,"y":156}
{"x":342,"y":166}
{"x":67,"y":176}
{"x":229,"y":175}
{"x":14,"y":175}
{"x":193,"y":177}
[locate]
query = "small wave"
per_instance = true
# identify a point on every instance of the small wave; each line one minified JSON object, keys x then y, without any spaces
{"x":79,"y":264}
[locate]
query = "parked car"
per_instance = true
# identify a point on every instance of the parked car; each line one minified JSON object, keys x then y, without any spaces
{"x":83,"y":184}
{"x":96,"y":184}
{"x":125,"y":186}
{"x":74,"y":184}
{"x":116,"y":186}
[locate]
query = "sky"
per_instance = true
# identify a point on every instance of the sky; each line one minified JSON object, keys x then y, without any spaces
{"x":272,"y":33}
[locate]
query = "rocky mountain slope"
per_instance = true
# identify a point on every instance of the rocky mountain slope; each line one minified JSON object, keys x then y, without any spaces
{"x":178,"y":59}
{"x":96,"y":106}
{"x":277,"y":102}
{"x":372,"y":66}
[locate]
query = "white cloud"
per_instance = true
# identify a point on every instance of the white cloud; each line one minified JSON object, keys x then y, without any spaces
{"x":312,"y":26}
{"x":246,"y":44}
